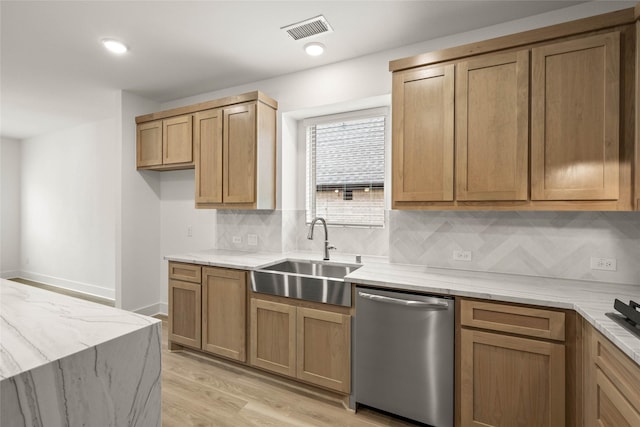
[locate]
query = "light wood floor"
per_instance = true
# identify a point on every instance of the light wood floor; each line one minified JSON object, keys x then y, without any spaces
{"x":80,"y":295}
{"x":198,"y":391}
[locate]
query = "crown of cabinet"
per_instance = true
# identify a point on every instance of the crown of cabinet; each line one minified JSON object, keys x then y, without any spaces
{"x":540,"y":120}
{"x":231,"y":143}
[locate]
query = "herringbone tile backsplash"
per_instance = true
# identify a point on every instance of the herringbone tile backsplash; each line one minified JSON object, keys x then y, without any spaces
{"x":266,"y":225}
{"x":550,"y":244}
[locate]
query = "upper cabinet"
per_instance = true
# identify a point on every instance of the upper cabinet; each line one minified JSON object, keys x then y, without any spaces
{"x":231,"y":144}
{"x":492,"y":125}
{"x":541,"y":120}
{"x":165,"y":144}
{"x":235,"y":157}
{"x":423,"y":134}
{"x":208,"y":148}
{"x":575,"y":119}
{"x":149,"y":144}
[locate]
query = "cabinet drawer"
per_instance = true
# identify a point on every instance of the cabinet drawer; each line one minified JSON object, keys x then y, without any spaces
{"x":512,"y":319}
{"x":185,"y":272}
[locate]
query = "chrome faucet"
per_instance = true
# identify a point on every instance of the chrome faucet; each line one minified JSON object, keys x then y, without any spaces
{"x":326,"y":236}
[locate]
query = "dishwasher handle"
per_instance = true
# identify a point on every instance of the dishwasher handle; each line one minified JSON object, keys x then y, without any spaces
{"x":433,"y":303}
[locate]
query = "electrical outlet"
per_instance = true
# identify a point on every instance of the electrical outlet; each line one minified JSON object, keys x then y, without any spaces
{"x":462,"y":255}
{"x":608,"y":264}
{"x":189,"y":231}
{"x":252,"y":239}
{"x":237,"y":240}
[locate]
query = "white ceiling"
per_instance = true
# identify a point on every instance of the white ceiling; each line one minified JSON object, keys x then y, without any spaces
{"x":54,"y":73}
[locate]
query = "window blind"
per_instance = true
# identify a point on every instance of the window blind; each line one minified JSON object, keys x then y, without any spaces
{"x":345,"y":171}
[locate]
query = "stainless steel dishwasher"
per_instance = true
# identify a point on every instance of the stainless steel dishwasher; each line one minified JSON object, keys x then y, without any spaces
{"x":404,"y":354}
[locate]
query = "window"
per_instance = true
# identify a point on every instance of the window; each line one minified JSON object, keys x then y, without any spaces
{"x":345,"y":168}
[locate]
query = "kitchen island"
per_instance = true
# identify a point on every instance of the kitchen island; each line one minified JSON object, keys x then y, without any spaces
{"x":66,"y":361}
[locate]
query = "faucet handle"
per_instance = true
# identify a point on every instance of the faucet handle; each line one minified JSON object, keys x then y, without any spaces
{"x":331,"y":247}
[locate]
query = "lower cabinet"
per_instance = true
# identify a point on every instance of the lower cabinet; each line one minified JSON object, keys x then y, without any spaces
{"x":611,"y":383}
{"x":185,"y":305}
{"x":508,"y":380}
{"x":323,"y":344}
{"x":207,"y":309}
{"x":273,"y":336}
{"x":185,"y":313}
{"x":309,"y":344}
{"x":511,"y":381}
{"x":224,"y":296}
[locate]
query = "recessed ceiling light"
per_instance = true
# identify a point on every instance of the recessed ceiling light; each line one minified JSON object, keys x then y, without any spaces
{"x":115,"y":46}
{"x":314,"y":49}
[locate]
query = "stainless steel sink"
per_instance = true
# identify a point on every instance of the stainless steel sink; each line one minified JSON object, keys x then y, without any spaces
{"x":306,"y":280}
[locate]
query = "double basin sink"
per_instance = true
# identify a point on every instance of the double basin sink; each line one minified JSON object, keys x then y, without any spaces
{"x":306,"y":280}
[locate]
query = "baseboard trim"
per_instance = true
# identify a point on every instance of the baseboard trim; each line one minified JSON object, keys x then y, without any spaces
{"x":10,"y":274}
{"x":153,"y":309}
{"x":71,"y":285}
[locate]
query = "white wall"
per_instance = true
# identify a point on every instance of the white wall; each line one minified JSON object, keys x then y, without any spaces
{"x":89,"y":220}
{"x":10,"y":208}
{"x":137,"y":236}
{"x":177,"y":216}
{"x":67,"y":208}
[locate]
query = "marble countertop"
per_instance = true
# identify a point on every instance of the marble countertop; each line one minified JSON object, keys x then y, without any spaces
{"x":39,"y":326}
{"x":256,"y":260}
{"x":592,"y":300}
{"x":227,"y":258}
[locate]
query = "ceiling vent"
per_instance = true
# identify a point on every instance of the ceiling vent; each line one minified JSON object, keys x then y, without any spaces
{"x":308,"y":28}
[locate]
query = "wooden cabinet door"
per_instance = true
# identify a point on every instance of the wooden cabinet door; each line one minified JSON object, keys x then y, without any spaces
{"x":492,"y":127}
{"x":224,"y":312}
{"x":609,"y":407}
{"x":575,"y":119}
{"x":324,"y":348}
{"x":239,"y":154}
{"x":423,"y":131}
{"x":273,"y":336}
{"x":611,"y":384}
{"x":149,"y":144}
{"x":177,"y":140}
{"x":208,"y":156}
{"x":185,"y":313}
{"x":511,"y":381}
